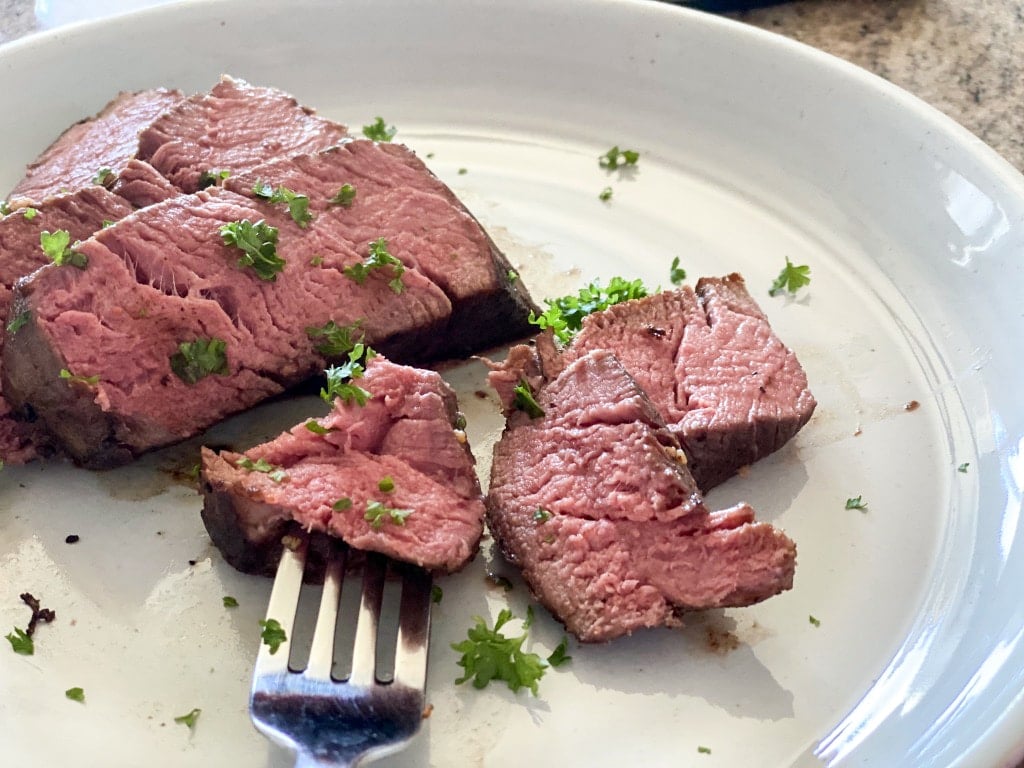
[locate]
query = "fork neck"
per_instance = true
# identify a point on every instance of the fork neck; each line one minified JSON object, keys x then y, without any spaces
{"x":308,"y":761}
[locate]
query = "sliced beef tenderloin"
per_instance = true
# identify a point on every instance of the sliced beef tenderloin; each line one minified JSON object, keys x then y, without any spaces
{"x":725,"y":384}
{"x":593,"y":501}
{"x":394,"y":195}
{"x":393,"y":476}
{"x":163,"y":277}
{"x":141,"y":184}
{"x":107,"y":141}
{"x":80,"y":214}
{"x":234,"y":127}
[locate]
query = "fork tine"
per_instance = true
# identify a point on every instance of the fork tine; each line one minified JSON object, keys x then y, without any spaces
{"x":364,"y":649}
{"x":284,"y":599}
{"x":413,"y":628}
{"x":321,"y":651}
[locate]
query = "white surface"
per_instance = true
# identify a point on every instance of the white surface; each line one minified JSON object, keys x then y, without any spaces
{"x":753,"y":149}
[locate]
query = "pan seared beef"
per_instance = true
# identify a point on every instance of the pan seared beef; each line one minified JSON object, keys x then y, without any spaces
{"x":108,"y":140}
{"x":721,"y":379}
{"x":80,"y":213}
{"x":593,"y":501}
{"x":234,"y":127}
{"x":401,"y":451}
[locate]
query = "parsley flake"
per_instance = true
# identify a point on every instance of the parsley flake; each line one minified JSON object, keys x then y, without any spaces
{"x":30,"y":213}
{"x":488,"y":655}
{"x":605,"y":194}
{"x":338,"y":340}
{"x":379,"y":258}
{"x":791,"y":279}
{"x":273,"y":634}
{"x":272,"y":471}
{"x":89,"y":380}
{"x":21,"y":642}
{"x":386,"y":484}
{"x":190,"y":718}
{"x":676,"y":274}
{"x":75,"y":694}
{"x":962,"y":468}
{"x":258,"y":243}
{"x":342,"y":504}
{"x":564,"y":315}
{"x":541,"y":515}
{"x":436,"y":594}
{"x":814,"y":621}
{"x":298,"y":205}
{"x":317,"y":429}
{"x":212,"y":178}
{"x":340,"y":377}
{"x":704,"y":750}
{"x":229,"y":601}
{"x":559,"y":656}
{"x":856,"y":503}
{"x":377,"y":514}
{"x":512,"y":275}
{"x":345,"y":197}
{"x":18,"y":321}
{"x":316,"y":261}
{"x":525,"y":401}
{"x":197,"y":359}
{"x":615,"y":158}
{"x":5,"y":207}
{"x":378,"y":131}
{"x":105,"y":177}
{"x":57,"y":246}
{"x":463,"y":171}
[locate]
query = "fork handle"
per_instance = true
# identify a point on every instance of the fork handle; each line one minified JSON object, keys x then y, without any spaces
{"x":305,"y":760}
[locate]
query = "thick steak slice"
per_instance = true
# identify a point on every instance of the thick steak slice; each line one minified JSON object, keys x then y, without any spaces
{"x":162,"y":277}
{"x":108,"y":140}
{"x":395,"y":194}
{"x":721,"y":379}
{"x":594,"y":503}
{"x":407,"y":432}
{"x":80,"y":213}
{"x":234,"y":127}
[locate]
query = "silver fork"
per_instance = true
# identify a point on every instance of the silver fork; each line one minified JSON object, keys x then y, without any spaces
{"x":331,"y":723}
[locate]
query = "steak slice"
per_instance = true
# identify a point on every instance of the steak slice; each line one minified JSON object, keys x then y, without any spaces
{"x":235,"y":127}
{"x":593,"y":501}
{"x":80,"y":213}
{"x":407,"y":432}
{"x":721,"y":379}
{"x":141,"y":185}
{"x":163,"y":277}
{"x":394,"y":194}
{"x":108,"y":140}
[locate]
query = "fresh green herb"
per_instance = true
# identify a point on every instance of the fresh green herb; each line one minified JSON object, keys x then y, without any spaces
{"x":463,"y":171}
{"x":676,"y":274}
{"x":512,"y":275}
{"x":197,"y":359}
{"x":229,"y":601}
{"x":377,"y":514}
{"x":488,"y":655}
{"x":378,"y":131}
{"x":436,"y":594}
{"x":345,"y":197}
{"x":962,"y":468}
{"x":298,"y":205}
{"x":75,"y":694}
{"x":316,"y":261}
{"x":57,"y":245}
{"x":460,"y":420}
{"x":342,"y":504}
{"x":273,"y":634}
{"x":386,"y":484}
{"x":192,"y":473}
{"x":430,"y":155}
{"x":107,"y":223}
{"x":814,"y":622}
{"x":5,"y":208}
{"x":275,"y":473}
{"x":104,"y":177}
{"x":338,"y":340}
{"x":564,"y":316}
{"x":258,"y":244}
{"x":704,"y":750}
{"x":856,"y":503}
{"x":525,"y":401}
{"x":501,"y":581}
{"x":340,"y":377}
{"x":541,"y":515}
{"x":18,"y":321}
{"x":21,"y":642}
{"x":317,"y":429}
{"x":67,"y":375}
{"x":29,"y":213}
{"x":605,"y":194}
{"x":190,"y":718}
{"x":791,"y":278}
{"x":616,"y":157}
{"x":378,"y":259}
{"x":212,"y":178}
{"x":560,"y":655}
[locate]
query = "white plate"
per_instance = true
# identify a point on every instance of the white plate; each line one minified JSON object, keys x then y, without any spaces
{"x":752,"y":149}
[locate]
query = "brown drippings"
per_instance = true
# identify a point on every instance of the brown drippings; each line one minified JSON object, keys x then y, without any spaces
{"x":720,"y":640}
{"x":913,"y":405}
{"x":481,"y":394}
{"x":428,"y":711}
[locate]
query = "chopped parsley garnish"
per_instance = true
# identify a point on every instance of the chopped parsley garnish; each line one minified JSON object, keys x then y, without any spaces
{"x":229,"y":601}
{"x":258,"y":244}
{"x":378,"y":131}
{"x":541,"y":515}
{"x":856,"y":503}
{"x":962,"y":468}
{"x":379,"y":258}
{"x":197,"y":359}
{"x":560,"y":655}
{"x":386,"y":484}
{"x":273,"y":634}
{"x":5,"y":207}
{"x":57,"y":245}
{"x":512,"y":275}
{"x":676,"y":274}
{"x":814,"y":622}
{"x":342,"y":504}
{"x":337,"y":340}
{"x":298,"y":205}
{"x":791,"y":278}
{"x":18,"y":321}
{"x":525,"y":401}
{"x":21,"y":642}
{"x":488,"y":655}
{"x":190,"y":718}
{"x":75,"y":694}
{"x":377,"y":514}
{"x":460,"y":420}
{"x":104,"y":177}
{"x":275,"y":473}
{"x":317,"y":429}
{"x":704,"y":750}
{"x":69,"y":376}
{"x":345,"y":197}
{"x":212,"y":178}
{"x":616,"y":157}
{"x":436,"y":594}
{"x":107,"y":223}
{"x":564,"y":316}
{"x":30,"y":213}
{"x":463,"y":171}
{"x":316,"y":261}
{"x":605,"y":194}
{"x":340,"y":377}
